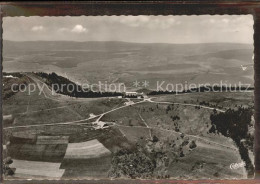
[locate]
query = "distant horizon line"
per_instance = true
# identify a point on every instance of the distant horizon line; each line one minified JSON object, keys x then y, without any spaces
{"x":128,"y":42}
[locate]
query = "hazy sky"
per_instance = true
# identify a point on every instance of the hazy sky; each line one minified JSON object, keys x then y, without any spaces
{"x":143,"y":29}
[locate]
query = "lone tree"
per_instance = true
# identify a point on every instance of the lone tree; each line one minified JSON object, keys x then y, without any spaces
{"x":155,"y":139}
{"x":182,"y":154}
{"x":192,"y":144}
{"x":6,"y":169}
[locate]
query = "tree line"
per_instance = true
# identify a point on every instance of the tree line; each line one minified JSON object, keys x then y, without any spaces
{"x":235,"y":124}
{"x":64,"y":86}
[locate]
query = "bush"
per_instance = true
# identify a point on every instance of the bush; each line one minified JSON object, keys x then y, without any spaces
{"x":155,"y":139}
{"x":136,"y":164}
{"x":192,"y":144}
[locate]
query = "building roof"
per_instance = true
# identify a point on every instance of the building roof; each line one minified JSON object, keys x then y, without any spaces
{"x":101,"y":124}
{"x":131,"y":92}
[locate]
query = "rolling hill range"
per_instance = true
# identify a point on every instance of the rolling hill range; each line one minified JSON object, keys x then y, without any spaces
{"x":117,"y":62}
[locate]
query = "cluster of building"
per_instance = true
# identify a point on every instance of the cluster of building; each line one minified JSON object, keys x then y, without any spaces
{"x":133,"y":95}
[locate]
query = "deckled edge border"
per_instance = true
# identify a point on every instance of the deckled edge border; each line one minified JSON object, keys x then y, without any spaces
{"x":105,"y":8}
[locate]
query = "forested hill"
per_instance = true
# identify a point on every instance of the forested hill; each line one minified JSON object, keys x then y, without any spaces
{"x":64,"y":86}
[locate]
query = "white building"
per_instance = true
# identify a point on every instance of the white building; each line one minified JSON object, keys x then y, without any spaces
{"x":100,"y":125}
{"x":133,"y":94}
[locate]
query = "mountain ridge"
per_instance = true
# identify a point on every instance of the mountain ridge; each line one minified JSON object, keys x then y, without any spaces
{"x":109,"y":41}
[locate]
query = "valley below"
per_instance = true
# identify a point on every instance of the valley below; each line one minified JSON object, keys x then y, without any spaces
{"x":62,"y":135}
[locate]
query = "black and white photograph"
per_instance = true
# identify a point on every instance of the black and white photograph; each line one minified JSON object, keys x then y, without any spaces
{"x":128,"y":97}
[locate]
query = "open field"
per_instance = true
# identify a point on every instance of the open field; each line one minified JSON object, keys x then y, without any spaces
{"x":52,"y":140}
{"x":86,"y":160}
{"x":86,"y":150}
{"x":114,"y":140}
{"x":36,"y":152}
{"x":133,"y":134}
{"x":95,"y":168}
{"x":32,"y":169}
{"x":164,"y":135}
{"x":54,"y":116}
{"x":125,"y":117}
{"x":207,"y":162}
